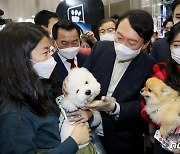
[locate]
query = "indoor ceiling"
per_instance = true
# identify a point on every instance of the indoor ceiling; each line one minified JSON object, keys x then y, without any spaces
{"x":110,"y":1}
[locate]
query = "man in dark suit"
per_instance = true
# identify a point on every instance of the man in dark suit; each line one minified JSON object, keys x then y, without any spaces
{"x":160,"y":50}
{"x":46,"y":19}
{"x":67,"y":37}
{"x":122,"y":69}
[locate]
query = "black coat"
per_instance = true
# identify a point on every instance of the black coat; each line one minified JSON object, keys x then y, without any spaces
{"x":122,"y":135}
{"x":60,"y":69}
{"x":160,"y":50}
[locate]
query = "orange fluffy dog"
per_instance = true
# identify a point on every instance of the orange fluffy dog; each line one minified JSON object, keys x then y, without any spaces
{"x":162,"y":105}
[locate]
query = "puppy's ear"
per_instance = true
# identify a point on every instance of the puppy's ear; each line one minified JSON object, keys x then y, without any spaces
{"x":64,"y":89}
{"x":165,"y":91}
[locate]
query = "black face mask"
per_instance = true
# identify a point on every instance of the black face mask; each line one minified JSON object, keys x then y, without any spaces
{"x":167,"y":34}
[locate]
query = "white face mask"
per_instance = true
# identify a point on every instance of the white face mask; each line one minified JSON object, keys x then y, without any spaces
{"x":69,"y":53}
{"x":107,"y":37}
{"x":44,"y":68}
{"x":175,"y":54}
{"x":124,"y":53}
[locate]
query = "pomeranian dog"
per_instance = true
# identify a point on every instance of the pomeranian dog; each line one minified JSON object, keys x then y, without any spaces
{"x":162,"y":105}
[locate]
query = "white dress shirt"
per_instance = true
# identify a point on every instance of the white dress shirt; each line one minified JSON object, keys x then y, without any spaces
{"x":67,"y":64}
{"x":118,"y":71}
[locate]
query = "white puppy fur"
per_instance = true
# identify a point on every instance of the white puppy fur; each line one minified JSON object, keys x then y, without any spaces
{"x":80,"y":88}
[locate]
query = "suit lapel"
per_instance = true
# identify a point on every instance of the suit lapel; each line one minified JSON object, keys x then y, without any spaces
{"x":79,"y":60}
{"x":107,"y":68}
{"x":133,"y":72}
{"x":60,"y":68}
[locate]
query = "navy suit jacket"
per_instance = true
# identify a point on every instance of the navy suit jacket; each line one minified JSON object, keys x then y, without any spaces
{"x":123,"y":134}
{"x":160,"y":50}
{"x":60,"y":70}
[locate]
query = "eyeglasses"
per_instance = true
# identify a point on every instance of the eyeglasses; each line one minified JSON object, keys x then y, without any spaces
{"x":109,"y":30}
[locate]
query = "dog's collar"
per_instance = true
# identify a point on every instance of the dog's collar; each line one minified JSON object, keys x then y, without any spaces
{"x":64,"y":111}
{"x":58,"y":101}
{"x":153,"y":112}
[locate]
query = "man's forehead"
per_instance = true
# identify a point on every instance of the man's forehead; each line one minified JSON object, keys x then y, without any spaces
{"x":70,"y":34}
{"x":124,"y":29}
{"x":177,"y":10}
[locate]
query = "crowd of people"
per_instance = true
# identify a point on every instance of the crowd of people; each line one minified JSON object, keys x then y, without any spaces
{"x":36,"y":58}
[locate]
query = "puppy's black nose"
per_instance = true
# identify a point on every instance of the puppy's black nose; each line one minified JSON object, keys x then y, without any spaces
{"x":88,"y":92}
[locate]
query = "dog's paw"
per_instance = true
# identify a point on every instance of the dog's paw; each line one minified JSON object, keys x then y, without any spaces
{"x":164,"y":133}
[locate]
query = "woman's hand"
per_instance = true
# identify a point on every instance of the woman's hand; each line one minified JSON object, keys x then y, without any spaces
{"x":81,"y":133}
{"x":84,"y":116}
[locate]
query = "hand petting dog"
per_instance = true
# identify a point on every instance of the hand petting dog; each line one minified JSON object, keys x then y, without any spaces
{"x":84,"y":116}
{"x":106,"y":104}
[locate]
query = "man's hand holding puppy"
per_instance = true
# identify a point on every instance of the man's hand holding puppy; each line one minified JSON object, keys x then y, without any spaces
{"x":106,"y":104}
{"x":84,"y":116}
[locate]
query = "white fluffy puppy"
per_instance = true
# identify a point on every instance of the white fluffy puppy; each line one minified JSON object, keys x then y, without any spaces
{"x":80,"y":88}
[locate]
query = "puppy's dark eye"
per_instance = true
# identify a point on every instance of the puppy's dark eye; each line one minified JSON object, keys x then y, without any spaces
{"x":149,"y":89}
{"x":77,"y":91}
{"x":86,"y":82}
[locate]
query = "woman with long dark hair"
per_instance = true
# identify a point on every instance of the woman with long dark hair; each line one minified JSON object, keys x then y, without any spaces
{"x":170,"y":73}
{"x":28,"y":116}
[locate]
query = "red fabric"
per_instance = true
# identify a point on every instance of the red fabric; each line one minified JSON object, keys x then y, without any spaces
{"x":159,"y":72}
{"x":177,"y":130}
{"x":86,"y":51}
{"x":71,"y":61}
{"x":179,"y":70}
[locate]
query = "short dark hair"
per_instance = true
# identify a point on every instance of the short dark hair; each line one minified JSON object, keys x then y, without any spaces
{"x":42,"y":17}
{"x":66,"y":25}
{"x":169,"y":19}
{"x":106,"y":20}
{"x":115,"y":16}
{"x":141,"y":21}
{"x":1,"y":12}
{"x":174,"y":5}
{"x":18,"y":79}
{"x":173,"y":33}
